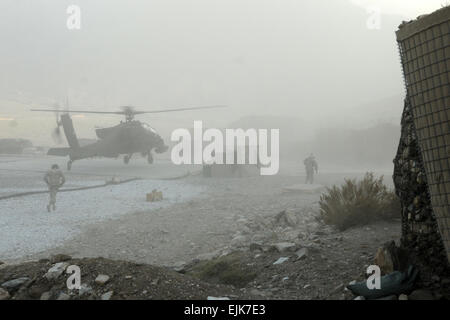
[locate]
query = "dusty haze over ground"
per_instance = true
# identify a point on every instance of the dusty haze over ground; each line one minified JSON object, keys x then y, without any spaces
{"x":315,"y":61}
{"x":326,"y":73}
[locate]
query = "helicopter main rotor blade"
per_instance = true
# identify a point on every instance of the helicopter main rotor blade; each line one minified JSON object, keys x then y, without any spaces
{"x":131,"y":111}
{"x":180,"y":109}
{"x":79,"y":111}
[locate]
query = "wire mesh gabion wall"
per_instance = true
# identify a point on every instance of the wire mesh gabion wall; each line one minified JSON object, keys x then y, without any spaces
{"x":424,"y":46}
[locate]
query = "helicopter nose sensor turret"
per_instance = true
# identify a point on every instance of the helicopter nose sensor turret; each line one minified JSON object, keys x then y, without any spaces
{"x":161,"y":149}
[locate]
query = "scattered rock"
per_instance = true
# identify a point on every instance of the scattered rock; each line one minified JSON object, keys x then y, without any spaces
{"x":46,"y":296}
{"x":421,"y":294}
{"x":258,"y":238}
{"x":255,"y":247}
{"x":60,"y":258}
{"x":63,"y":296}
{"x":107,"y":296}
{"x":281,"y":260}
{"x":287,"y":218}
{"x":301,"y":253}
{"x":284,"y":246}
{"x":4,"y":295}
{"x":56,"y":270}
{"x":179,"y":266}
{"x":436,"y":278}
{"x":217,"y":298}
{"x":242,"y":221}
{"x":102,"y":279}
{"x":84,"y":289}
{"x":36,"y":292}
{"x":386,"y":258}
{"x":15,"y":284}
{"x":238,"y":240}
{"x":338,"y":288}
{"x":359,"y":298}
{"x":403,"y":297}
{"x":207,"y":256}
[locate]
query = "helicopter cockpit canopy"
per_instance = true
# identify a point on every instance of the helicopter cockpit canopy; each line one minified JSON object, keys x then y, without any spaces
{"x":147,"y":127}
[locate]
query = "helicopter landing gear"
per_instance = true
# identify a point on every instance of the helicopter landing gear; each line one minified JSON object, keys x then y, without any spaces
{"x":69,"y":165}
{"x":126,"y":158}
{"x":150,"y":158}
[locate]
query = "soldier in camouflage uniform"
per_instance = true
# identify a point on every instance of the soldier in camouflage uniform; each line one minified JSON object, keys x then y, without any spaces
{"x":55,"y":180}
{"x":310,"y":166}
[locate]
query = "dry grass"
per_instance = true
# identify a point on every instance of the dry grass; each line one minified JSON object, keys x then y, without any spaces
{"x":359,"y":202}
{"x":227,"y":269}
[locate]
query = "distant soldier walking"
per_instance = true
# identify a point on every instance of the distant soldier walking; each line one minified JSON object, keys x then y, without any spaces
{"x":55,"y":180}
{"x":310,"y":166}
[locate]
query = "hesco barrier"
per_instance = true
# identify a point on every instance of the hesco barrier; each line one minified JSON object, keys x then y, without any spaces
{"x":424,"y":46}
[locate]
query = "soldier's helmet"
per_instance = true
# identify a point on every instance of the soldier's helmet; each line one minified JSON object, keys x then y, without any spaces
{"x":55,"y":166}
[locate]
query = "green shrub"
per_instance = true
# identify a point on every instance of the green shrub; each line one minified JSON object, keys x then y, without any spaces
{"x":358,"y":202}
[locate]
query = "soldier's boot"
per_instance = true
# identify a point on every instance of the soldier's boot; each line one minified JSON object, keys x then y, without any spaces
{"x":48,"y":208}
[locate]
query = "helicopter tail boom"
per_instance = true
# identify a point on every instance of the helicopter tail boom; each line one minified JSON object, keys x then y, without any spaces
{"x":69,"y":131}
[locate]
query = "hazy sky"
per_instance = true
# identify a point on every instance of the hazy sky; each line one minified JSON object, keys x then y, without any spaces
{"x":407,"y":8}
{"x":312,"y":60}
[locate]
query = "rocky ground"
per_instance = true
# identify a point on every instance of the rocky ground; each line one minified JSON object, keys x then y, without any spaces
{"x":240,"y":239}
{"x":318,"y":266}
{"x":102,"y":279}
{"x":318,"y":269}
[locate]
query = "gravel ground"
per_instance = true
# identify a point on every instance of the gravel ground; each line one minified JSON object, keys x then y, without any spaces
{"x":27,"y":228}
{"x":213,"y":221}
{"x":185,"y":230}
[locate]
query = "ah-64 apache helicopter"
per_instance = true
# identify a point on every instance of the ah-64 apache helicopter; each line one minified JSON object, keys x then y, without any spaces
{"x":126,"y":138}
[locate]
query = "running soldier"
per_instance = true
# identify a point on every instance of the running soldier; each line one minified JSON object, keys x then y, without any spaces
{"x":55,"y":180}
